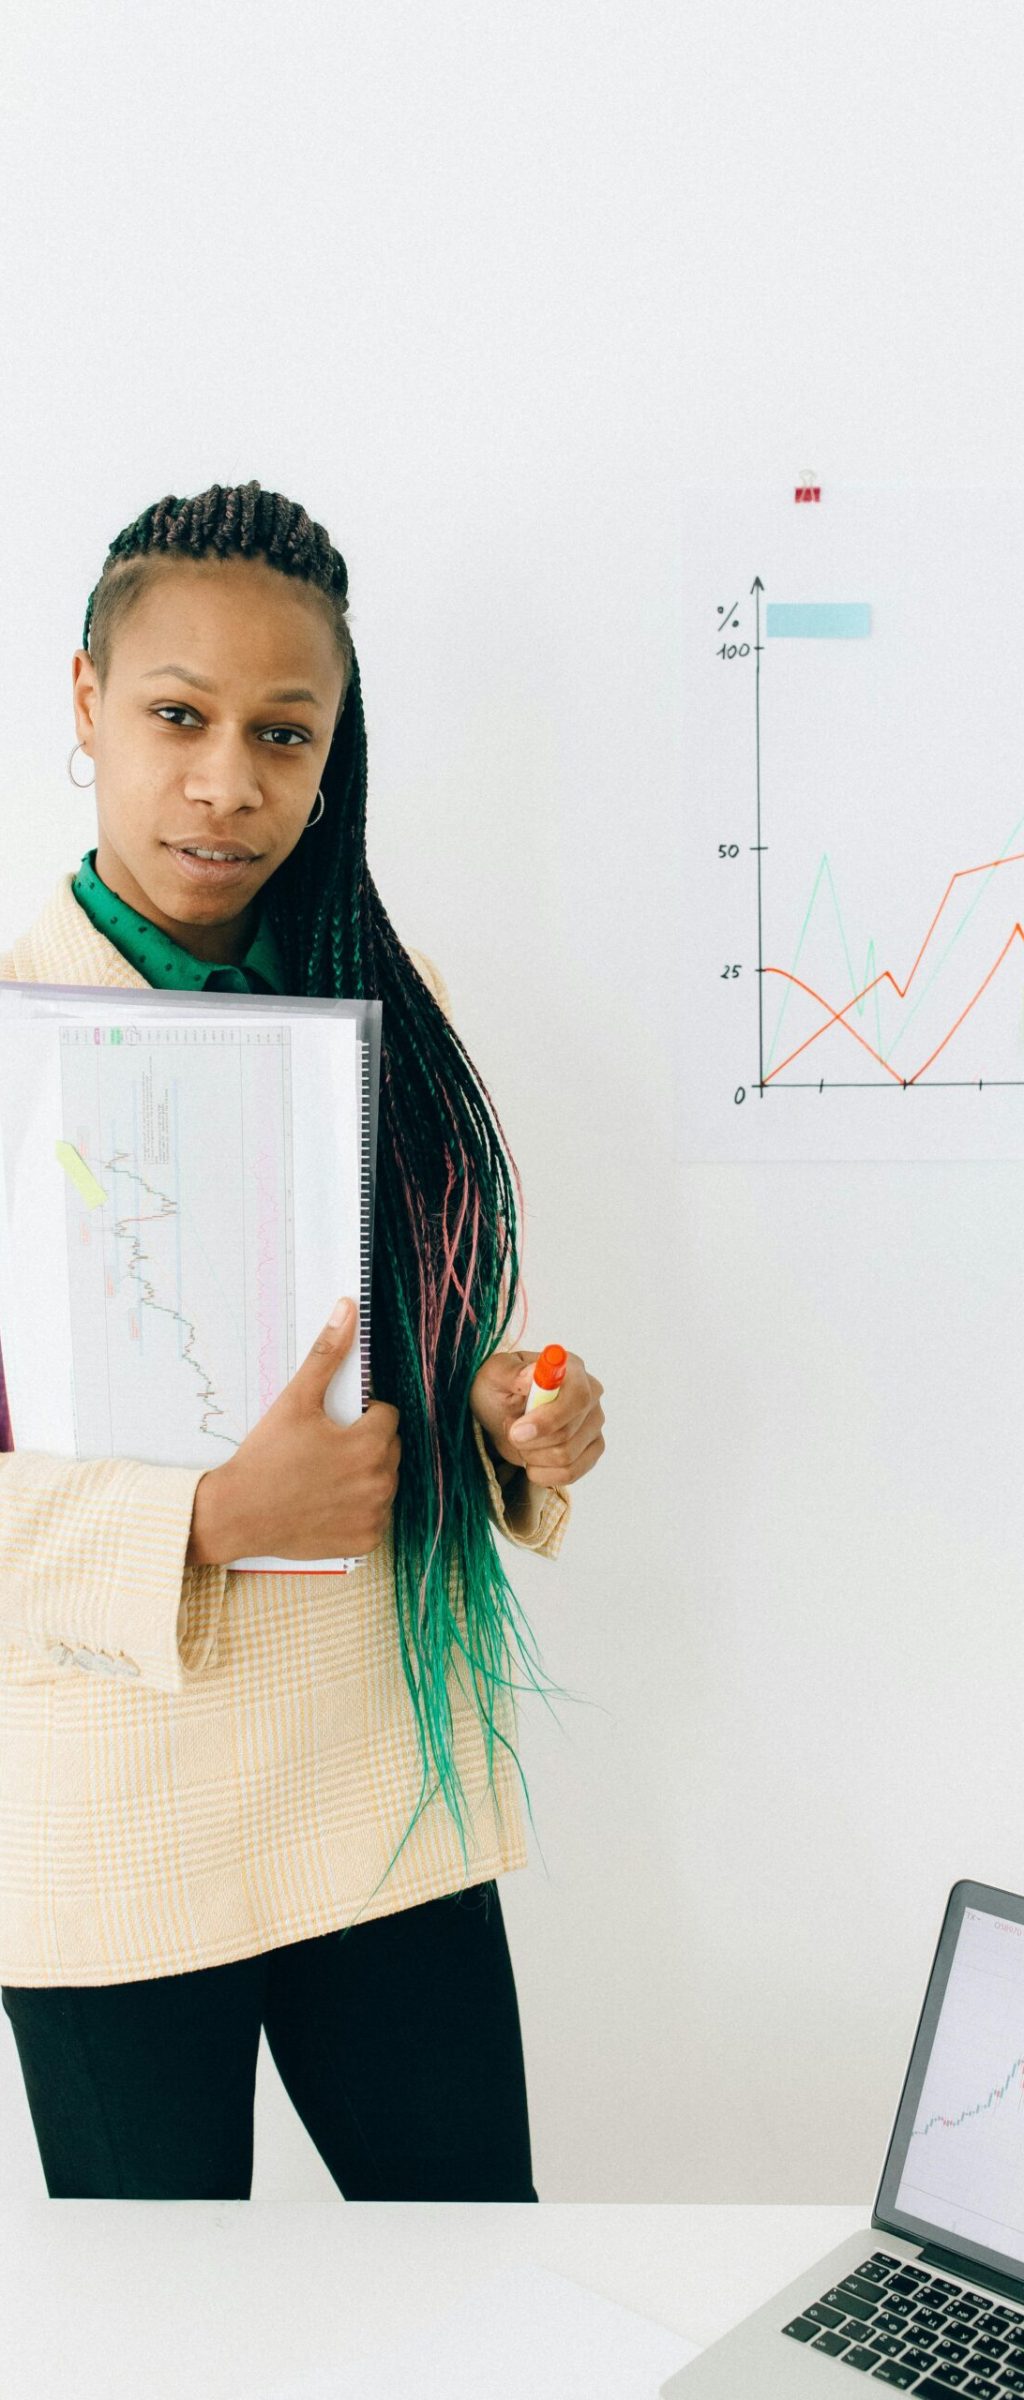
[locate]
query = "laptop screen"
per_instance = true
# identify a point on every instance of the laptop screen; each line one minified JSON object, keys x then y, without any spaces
{"x":954,"y":2173}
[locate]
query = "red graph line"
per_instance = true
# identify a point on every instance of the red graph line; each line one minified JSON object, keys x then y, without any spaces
{"x":838,"y":1016}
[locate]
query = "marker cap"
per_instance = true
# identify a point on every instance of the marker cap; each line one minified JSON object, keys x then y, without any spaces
{"x":549,"y":1368}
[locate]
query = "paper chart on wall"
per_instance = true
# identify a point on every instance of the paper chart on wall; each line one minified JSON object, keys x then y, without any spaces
{"x":846,"y":953}
{"x":183,"y":1196}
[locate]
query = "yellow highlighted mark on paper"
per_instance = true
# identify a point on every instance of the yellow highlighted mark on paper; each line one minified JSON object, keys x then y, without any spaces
{"x":81,"y":1176}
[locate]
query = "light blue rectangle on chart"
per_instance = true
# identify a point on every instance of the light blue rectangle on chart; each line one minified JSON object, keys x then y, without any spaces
{"x":832,"y":618}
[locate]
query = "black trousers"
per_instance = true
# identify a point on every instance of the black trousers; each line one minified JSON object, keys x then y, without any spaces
{"x":399,"y":2045}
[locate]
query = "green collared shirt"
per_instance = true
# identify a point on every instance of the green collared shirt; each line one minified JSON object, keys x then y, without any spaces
{"x":163,"y":962}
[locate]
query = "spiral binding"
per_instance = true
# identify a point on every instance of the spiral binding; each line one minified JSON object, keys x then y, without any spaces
{"x":365,"y":1220}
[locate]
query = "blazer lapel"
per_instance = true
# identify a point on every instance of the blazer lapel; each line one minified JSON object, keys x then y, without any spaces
{"x":64,"y":946}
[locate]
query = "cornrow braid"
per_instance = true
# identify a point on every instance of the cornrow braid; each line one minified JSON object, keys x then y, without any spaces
{"x":445,"y":1263}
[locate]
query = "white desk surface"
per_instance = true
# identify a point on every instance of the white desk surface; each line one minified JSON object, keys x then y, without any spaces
{"x":109,"y":2299}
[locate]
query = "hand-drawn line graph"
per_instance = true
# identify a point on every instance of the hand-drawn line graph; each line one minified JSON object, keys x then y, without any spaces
{"x":788,"y":620}
{"x":841,"y":897}
{"x":199,"y":1327}
{"x":879,"y":1049}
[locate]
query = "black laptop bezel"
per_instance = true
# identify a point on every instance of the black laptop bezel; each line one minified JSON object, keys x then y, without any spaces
{"x":885,"y":2216}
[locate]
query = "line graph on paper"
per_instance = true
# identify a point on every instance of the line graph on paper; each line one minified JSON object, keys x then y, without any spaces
{"x":964,"y":2168}
{"x":881,"y":1013}
{"x":180,"y":1340}
{"x":850,"y":975}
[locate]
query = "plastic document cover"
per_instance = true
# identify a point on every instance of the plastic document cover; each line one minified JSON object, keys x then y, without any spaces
{"x":186,"y":1187}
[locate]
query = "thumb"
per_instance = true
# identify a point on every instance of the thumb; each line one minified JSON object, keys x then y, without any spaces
{"x":331,"y":1345}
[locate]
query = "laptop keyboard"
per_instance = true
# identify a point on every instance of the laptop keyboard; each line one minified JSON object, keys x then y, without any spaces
{"x":917,"y":2332}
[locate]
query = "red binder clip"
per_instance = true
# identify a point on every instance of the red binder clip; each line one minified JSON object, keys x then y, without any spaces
{"x":807,"y":489}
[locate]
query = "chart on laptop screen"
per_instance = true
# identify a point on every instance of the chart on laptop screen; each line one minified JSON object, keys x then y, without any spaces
{"x":964,"y":2168}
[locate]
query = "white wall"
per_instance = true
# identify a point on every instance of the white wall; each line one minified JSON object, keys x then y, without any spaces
{"x":483,"y":286}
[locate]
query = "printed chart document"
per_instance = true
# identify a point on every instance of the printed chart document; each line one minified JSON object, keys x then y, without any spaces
{"x":186,"y":1188}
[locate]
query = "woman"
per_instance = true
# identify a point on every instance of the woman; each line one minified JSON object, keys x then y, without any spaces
{"x":232,"y":1800}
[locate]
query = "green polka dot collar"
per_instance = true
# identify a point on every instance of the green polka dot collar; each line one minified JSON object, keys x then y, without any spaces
{"x":163,"y":962}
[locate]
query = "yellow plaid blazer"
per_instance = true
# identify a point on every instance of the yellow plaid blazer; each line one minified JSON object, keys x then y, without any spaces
{"x":199,"y":1764}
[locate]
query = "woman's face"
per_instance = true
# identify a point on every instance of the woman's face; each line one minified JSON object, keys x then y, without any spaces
{"x":224,"y":689}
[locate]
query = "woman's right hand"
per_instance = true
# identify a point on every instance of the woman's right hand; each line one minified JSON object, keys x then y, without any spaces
{"x":300,"y":1486}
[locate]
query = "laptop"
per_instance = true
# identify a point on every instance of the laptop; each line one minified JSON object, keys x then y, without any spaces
{"x":930,"y":2299}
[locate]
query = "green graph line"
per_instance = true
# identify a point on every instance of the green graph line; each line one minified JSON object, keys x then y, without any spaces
{"x":868,"y":976}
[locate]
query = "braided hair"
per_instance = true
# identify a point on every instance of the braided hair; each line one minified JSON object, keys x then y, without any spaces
{"x":444,"y":1251}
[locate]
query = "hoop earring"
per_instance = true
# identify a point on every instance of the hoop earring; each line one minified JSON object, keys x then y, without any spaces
{"x":313,"y":820}
{"x":81,"y":787}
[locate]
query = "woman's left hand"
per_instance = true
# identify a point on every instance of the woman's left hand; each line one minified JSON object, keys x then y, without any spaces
{"x":557,"y":1443}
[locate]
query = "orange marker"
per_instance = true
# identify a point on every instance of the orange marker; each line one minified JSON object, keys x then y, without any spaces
{"x":548,"y":1376}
